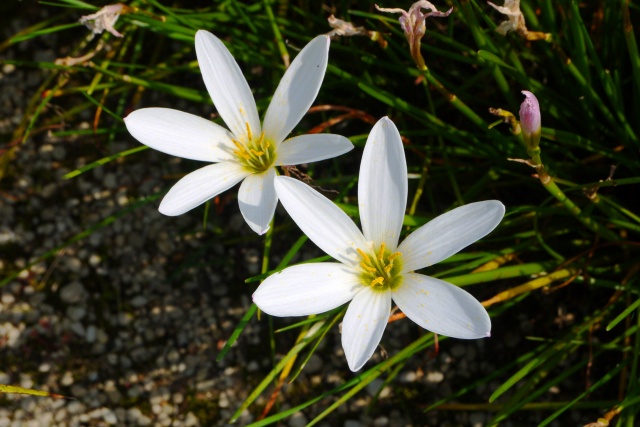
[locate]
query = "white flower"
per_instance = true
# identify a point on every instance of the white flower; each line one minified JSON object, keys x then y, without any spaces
{"x":248,"y":151}
{"x":104,"y":19}
{"x":373,"y":269}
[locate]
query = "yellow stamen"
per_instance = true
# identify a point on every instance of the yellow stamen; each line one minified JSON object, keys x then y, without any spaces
{"x":388,"y":268}
{"x":257,"y":153}
{"x":367,"y":267}
{"x":377,"y":281}
{"x":381,"y":252}
{"x":363,"y":255}
{"x":249,"y":134}
{"x":238,"y":145}
{"x":394,"y":256}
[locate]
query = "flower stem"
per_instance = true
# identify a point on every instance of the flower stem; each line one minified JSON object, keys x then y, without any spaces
{"x":549,"y":185}
{"x":268,"y":238}
{"x":453,"y":99}
{"x":427,"y":160}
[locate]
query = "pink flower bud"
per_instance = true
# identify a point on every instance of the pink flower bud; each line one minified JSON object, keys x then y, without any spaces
{"x":530,"y":120}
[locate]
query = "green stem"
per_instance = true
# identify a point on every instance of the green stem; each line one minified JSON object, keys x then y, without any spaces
{"x":268,"y":238}
{"x":549,"y":184}
{"x":454,"y":100}
{"x":588,"y":222}
{"x":425,"y":163}
{"x":276,"y":32}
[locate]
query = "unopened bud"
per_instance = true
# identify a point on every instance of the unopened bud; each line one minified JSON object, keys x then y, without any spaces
{"x":530,"y":120}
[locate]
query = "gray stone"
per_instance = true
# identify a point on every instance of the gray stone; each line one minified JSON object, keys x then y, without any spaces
{"x":73,"y":293}
{"x":298,"y":419}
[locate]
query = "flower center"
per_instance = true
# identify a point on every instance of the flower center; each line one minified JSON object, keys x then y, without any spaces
{"x":382,"y":269}
{"x":256,"y":154}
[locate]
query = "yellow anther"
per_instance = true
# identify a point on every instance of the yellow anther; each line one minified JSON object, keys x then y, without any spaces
{"x":394,"y":256}
{"x":381,"y":251}
{"x":377,"y":281}
{"x":249,"y":134}
{"x":388,"y":268}
{"x":257,"y":153}
{"x":367,"y":267}
{"x":364,"y":256}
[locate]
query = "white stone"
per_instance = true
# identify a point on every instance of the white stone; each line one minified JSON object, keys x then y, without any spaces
{"x":191,"y":420}
{"x":223,"y":401}
{"x":435,"y":377}
{"x":67,"y":379}
{"x":110,"y":417}
{"x":8,"y":299}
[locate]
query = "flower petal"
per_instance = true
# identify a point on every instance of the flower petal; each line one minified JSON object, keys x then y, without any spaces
{"x":297,"y":90}
{"x":199,"y":186}
{"x":442,"y":307}
{"x":258,"y":200}
{"x":382,"y":187}
{"x":180,"y":134}
{"x":321,"y":220}
{"x":226,"y":85}
{"x":312,"y":148}
{"x":363,"y":326}
{"x":449,"y":233}
{"x":307,"y":289}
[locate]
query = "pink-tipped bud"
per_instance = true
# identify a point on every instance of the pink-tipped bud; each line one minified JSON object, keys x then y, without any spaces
{"x":530,"y":120}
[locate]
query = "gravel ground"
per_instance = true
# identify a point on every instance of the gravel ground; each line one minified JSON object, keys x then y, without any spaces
{"x":128,"y":321}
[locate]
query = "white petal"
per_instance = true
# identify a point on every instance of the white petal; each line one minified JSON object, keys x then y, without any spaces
{"x":442,"y":307}
{"x":449,"y":233}
{"x":307,"y":289}
{"x":297,"y":89}
{"x":382,"y":187}
{"x":199,"y":186}
{"x":321,"y":220}
{"x":258,"y":200}
{"x":312,"y":148}
{"x":180,"y":134}
{"x":226,"y":85}
{"x":363,"y":326}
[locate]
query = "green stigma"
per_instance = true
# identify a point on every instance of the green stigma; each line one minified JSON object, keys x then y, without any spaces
{"x":382,"y":270}
{"x":256,"y":154}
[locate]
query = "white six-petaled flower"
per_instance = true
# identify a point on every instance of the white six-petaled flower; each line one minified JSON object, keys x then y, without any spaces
{"x":250,"y":151}
{"x":373,"y":269}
